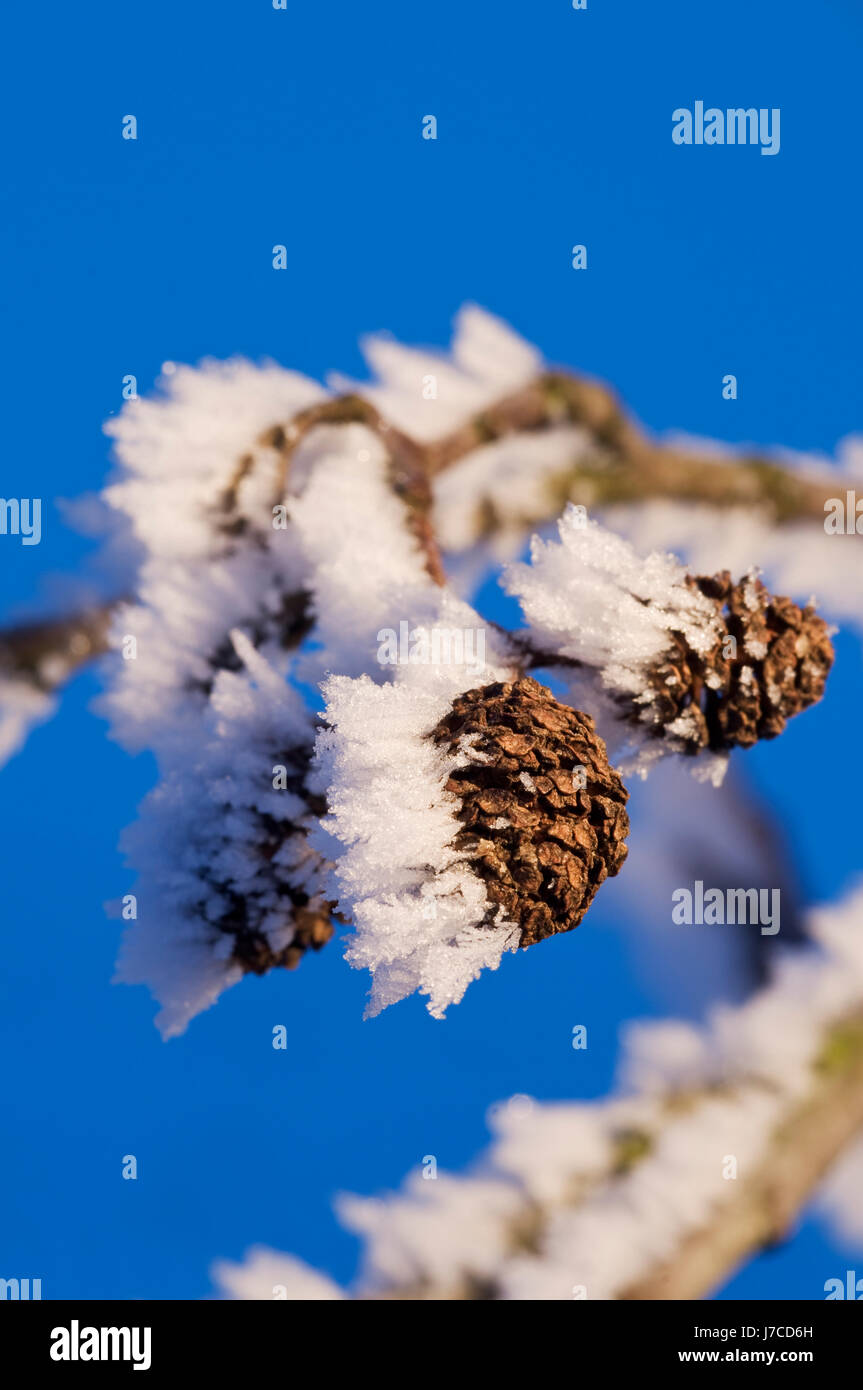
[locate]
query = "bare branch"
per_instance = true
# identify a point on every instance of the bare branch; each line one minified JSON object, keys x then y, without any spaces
{"x":408,"y":463}
{"x":46,"y":654}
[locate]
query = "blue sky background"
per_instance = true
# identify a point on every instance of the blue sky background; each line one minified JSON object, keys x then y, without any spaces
{"x":302,"y":127}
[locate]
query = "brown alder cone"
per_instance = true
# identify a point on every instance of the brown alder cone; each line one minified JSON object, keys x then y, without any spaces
{"x":746,"y":689}
{"x":312,"y":930}
{"x":303,"y":908}
{"x":541,"y":834}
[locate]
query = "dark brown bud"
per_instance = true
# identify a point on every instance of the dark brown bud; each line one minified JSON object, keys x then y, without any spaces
{"x":313,"y":928}
{"x":770,"y":661}
{"x":302,"y":907}
{"x":543,"y":814}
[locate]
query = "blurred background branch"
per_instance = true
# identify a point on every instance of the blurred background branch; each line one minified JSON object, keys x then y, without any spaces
{"x":707,"y":1155}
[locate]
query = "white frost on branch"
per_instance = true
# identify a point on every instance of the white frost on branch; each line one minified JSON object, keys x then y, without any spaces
{"x":797,"y":558}
{"x":417,"y":909}
{"x":179,"y":454}
{"x":179,"y":450}
{"x":201,"y":849}
{"x":202,"y":682}
{"x":23,"y":706}
{"x":838,"y":1201}
{"x":366,"y":570}
{"x":426,"y":394}
{"x":515,"y":477}
{"x":434,"y":1226}
{"x":591,"y":598}
{"x":199,"y":489}
{"x":632,"y":1223}
{"x":584,"y":1199}
{"x":265,"y":1275}
{"x":536,"y":1145}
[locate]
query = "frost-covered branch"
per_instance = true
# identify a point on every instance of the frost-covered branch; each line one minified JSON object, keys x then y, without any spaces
{"x":618,"y":460}
{"x":712,"y":1146}
{"x":441,"y":802}
{"x":803,"y":1149}
{"x":609,"y":460}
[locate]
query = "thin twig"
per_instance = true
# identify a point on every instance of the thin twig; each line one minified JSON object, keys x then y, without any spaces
{"x":45,"y":654}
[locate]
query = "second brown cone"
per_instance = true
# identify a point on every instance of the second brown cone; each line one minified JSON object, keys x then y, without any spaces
{"x":543,"y":814}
